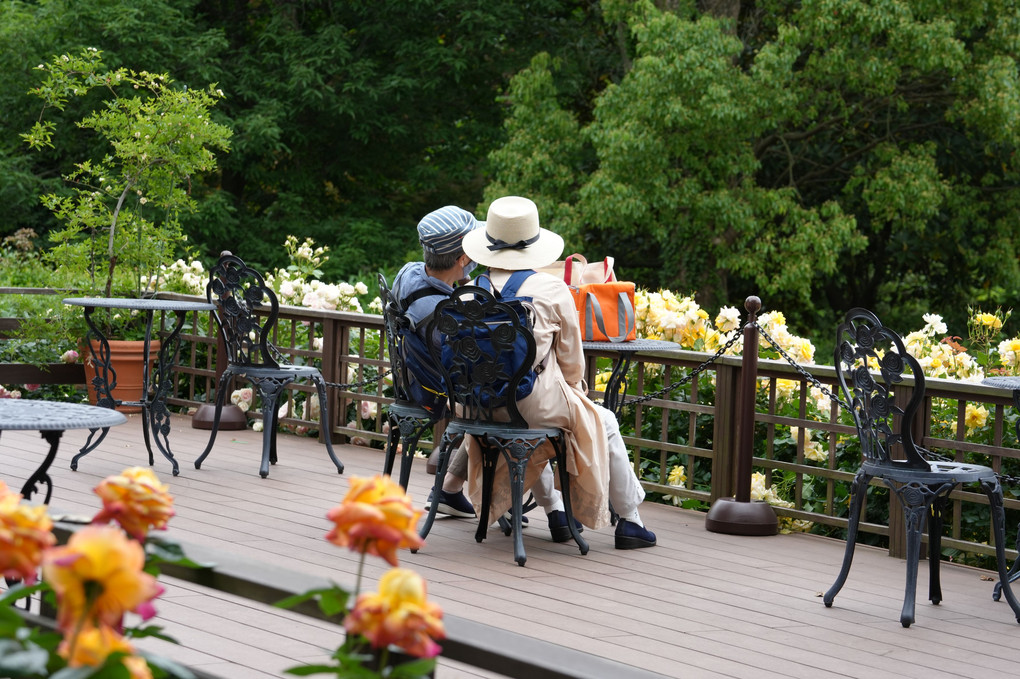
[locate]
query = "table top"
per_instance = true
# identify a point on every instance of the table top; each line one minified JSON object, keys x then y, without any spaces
{"x":16,"y":413}
{"x":639,"y":344}
{"x":140,"y":304}
{"x":1002,"y":382}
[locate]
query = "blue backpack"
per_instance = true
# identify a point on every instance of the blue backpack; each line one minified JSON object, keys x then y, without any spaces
{"x":511,"y":360}
{"x":425,"y":384}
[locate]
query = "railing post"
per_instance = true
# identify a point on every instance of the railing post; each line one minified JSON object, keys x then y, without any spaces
{"x":740,"y":516}
{"x":723,"y":438}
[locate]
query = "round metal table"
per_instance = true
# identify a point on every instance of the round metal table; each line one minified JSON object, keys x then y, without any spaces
{"x":52,"y":419}
{"x":623,"y":354}
{"x":155,"y":415}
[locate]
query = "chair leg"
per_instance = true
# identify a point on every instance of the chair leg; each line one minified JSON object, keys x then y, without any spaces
{"x":489,"y":458}
{"x":327,"y":435}
{"x":446,"y":446}
{"x":935,"y":524}
{"x":993,"y":490}
{"x":561,"y":468}
{"x":1012,"y":575}
{"x":410,"y":444}
{"x":517,"y":467}
{"x":221,"y":392}
{"x":269,"y":389}
{"x":916,"y":499}
{"x":858,"y":487}
{"x":391,"y":445}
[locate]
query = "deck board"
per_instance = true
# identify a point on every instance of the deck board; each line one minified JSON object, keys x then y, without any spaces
{"x":700,"y":604}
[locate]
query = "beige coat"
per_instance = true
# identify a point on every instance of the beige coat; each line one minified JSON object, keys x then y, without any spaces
{"x":559,"y":399}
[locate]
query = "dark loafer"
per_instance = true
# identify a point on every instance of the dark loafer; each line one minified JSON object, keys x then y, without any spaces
{"x":629,"y":535}
{"x":558,"y":526}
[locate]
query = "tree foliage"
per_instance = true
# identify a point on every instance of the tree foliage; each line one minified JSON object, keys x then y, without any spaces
{"x":822,"y":154}
{"x":351,"y":119}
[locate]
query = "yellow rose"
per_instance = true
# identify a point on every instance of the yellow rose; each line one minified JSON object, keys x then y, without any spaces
{"x":136,"y":500}
{"x":375,"y":517}
{"x":399,"y":614}
{"x":98,"y":577}
{"x":976,"y":417}
{"x":25,"y":532}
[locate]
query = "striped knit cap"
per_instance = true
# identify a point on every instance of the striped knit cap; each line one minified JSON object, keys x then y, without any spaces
{"x":442,"y":230}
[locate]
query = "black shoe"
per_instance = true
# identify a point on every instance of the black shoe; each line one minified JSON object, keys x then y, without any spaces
{"x":558,"y":526}
{"x":630,"y":535}
{"x":509,"y":516}
{"x":453,"y":504}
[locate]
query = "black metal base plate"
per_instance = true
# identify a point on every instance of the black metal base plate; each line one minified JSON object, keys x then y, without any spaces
{"x":741,"y":518}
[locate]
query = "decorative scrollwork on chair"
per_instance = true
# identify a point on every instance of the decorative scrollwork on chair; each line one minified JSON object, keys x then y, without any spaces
{"x":866,"y":350}
{"x":246,"y":311}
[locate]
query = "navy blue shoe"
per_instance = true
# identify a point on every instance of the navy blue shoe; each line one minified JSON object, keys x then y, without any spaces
{"x":509,"y":516}
{"x":630,"y":535}
{"x":453,"y":504}
{"x":558,"y":526}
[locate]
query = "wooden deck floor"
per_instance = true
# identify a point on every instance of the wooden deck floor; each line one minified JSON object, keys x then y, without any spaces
{"x":699,"y":604}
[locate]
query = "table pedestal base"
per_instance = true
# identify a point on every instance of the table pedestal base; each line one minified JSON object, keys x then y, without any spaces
{"x":727,"y":515}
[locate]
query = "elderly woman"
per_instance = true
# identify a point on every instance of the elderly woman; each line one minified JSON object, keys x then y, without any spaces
{"x":597,"y":459}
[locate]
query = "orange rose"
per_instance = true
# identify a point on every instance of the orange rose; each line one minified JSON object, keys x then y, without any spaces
{"x":136,"y":500}
{"x":97,"y":577}
{"x":399,"y":614}
{"x":375,"y":517}
{"x":92,"y":645}
{"x":25,"y":531}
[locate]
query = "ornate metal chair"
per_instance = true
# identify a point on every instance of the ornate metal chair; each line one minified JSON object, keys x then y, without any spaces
{"x":483,"y":394}
{"x":408,"y":420}
{"x":870,"y":359}
{"x":246,"y":311}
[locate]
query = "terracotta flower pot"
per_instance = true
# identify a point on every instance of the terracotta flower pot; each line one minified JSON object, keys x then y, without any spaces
{"x":127,"y":358}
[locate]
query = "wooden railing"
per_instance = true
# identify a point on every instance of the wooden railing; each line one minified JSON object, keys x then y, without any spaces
{"x":694,"y":425}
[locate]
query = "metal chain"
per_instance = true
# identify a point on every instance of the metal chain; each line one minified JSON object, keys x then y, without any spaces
{"x":280,"y":356}
{"x":928,"y":455}
{"x":931,"y":456}
{"x":356,"y":385}
{"x":688,"y":377}
{"x":801,"y":369}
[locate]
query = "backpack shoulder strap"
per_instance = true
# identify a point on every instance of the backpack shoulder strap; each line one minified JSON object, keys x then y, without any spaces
{"x":515,"y":281}
{"x":420,"y":293}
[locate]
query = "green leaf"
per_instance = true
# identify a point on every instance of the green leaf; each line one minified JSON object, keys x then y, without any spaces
{"x":16,"y":661}
{"x":159,"y":549}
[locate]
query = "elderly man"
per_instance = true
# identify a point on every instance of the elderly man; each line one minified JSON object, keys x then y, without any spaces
{"x":445,"y":265}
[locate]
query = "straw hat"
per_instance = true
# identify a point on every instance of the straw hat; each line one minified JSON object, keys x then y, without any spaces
{"x":512,"y":238}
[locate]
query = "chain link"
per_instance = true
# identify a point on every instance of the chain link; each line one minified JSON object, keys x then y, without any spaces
{"x":280,"y":356}
{"x":931,"y":456}
{"x":801,"y":369}
{"x":688,"y":377}
{"x":358,"y":385}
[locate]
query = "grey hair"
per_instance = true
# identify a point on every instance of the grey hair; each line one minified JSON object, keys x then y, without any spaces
{"x":442,"y":262}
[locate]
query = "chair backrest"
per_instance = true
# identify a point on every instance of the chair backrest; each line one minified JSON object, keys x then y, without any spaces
{"x":246,"y":311}
{"x":481,"y":355}
{"x":870,"y":359}
{"x":391,"y":322}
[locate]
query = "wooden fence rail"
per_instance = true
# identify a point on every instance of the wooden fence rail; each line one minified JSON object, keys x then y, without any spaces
{"x":684,"y":426}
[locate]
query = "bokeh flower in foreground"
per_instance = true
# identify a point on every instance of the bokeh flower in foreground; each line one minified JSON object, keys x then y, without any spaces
{"x":91,"y":646}
{"x":98,"y":577}
{"x":399,"y":614}
{"x":25,"y":532}
{"x":375,"y":517}
{"x":136,"y":500}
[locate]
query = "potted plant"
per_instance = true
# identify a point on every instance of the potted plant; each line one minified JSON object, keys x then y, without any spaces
{"x":119,"y":221}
